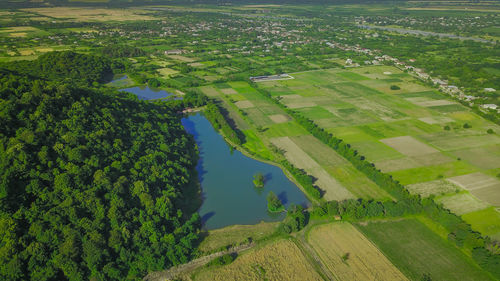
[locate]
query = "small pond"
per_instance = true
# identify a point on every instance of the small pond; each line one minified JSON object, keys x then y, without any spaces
{"x":146,"y":93}
{"x":229,"y":196}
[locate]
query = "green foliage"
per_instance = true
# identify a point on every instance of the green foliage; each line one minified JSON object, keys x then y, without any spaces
{"x":214,"y":115}
{"x":395,"y":87}
{"x":273,"y":203}
{"x":490,"y":131}
{"x":258,"y":180}
{"x":222,"y":260}
{"x":446,"y":128}
{"x":91,"y":183}
{"x":295,"y":220}
{"x":467,"y":126}
{"x":303,"y":178}
{"x":67,"y":65}
{"x":122,"y":51}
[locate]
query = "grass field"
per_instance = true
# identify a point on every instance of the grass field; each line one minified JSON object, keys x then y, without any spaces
{"x":334,"y":241}
{"x":417,"y":250}
{"x":279,"y":260}
{"x":486,"y":221}
{"x":236,"y":234}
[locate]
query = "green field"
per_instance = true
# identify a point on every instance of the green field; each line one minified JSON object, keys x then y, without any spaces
{"x":417,"y":250}
{"x":401,"y":131}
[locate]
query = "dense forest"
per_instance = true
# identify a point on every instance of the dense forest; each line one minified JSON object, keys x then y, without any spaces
{"x":67,"y":65}
{"x":92,"y":183}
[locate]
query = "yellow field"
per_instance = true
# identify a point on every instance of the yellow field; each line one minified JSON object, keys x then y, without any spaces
{"x":281,"y":260}
{"x":91,"y":14}
{"x":365,"y":262}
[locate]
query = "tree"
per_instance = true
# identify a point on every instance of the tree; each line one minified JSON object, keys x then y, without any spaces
{"x":273,"y":203}
{"x":258,"y":180}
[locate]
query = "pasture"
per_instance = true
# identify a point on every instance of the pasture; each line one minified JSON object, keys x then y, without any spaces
{"x":278,"y":260}
{"x":416,"y":250}
{"x":349,"y":255}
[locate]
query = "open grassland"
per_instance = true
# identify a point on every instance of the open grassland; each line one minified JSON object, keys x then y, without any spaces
{"x":279,"y":260}
{"x":486,"y":221}
{"x":349,"y":255}
{"x":235,"y":234}
{"x":92,"y":14}
{"x":416,"y":250}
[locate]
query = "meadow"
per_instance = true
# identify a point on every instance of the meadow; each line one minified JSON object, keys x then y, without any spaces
{"x":416,"y":250}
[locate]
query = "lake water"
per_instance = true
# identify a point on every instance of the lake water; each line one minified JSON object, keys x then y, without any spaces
{"x":146,"y":93}
{"x":229,"y":196}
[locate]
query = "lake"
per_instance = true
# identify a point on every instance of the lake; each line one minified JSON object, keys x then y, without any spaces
{"x":229,"y":196}
{"x":146,"y":93}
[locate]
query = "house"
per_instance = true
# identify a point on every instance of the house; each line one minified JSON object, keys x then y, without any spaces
{"x":489,"y":90}
{"x":174,"y":52}
{"x":348,"y":61}
{"x":490,"y":106}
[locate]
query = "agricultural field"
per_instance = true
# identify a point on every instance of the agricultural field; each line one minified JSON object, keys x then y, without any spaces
{"x":419,"y":136}
{"x":91,"y":14}
{"x":349,"y":255}
{"x":278,"y":260}
{"x":416,"y":250}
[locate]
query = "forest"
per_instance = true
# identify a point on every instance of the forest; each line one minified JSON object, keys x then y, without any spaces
{"x":92,"y":182}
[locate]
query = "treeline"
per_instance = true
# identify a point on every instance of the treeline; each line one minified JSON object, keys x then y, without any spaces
{"x":65,"y":66}
{"x":122,"y":51}
{"x":459,"y":231}
{"x":303,"y":178}
{"x":92,"y":183}
{"x":214,"y":115}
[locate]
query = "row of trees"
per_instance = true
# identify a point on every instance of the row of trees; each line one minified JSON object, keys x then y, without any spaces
{"x":214,"y":115}
{"x":459,"y":231}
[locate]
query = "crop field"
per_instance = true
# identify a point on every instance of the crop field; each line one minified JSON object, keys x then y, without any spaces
{"x":409,"y":146}
{"x":91,"y":14}
{"x":332,"y":188}
{"x":339,"y":168}
{"x":484,"y":187}
{"x":279,"y":260}
{"x":461,"y":203}
{"x":349,"y":255}
{"x":436,"y":187}
{"x":415,"y":250}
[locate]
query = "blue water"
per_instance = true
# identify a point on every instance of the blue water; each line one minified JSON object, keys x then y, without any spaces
{"x":146,"y":93}
{"x":229,"y":196}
